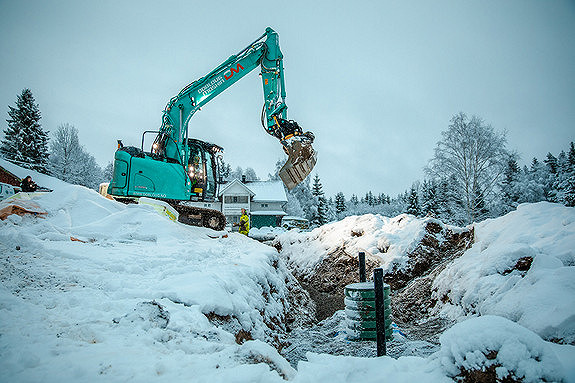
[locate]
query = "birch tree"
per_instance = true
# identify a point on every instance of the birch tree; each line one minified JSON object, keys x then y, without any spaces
{"x":70,"y":162}
{"x":473,"y":155}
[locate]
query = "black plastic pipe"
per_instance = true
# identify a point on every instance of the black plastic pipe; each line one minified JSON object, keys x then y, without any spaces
{"x":362,"y":277}
{"x":379,"y":311}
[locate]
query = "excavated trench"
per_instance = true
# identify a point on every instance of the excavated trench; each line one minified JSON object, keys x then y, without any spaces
{"x":411,"y":301}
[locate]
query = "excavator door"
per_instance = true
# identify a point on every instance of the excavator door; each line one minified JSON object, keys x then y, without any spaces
{"x":301,"y":160}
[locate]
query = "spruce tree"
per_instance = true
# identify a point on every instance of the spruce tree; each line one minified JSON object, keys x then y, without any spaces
{"x":559,"y":182}
{"x":429,"y":200}
{"x":509,"y":185}
{"x":551,"y":162}
{"x":339,"y":203}
{"x":317,"y":190}
{"x":569,"y":183}
{"x":413,"y":202}
{"x":25,"y":142}
{"x":322,"y":211}
{"x":353,"y":200}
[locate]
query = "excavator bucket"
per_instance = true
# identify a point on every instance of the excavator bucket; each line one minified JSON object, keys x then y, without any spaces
{"x":301,"y":160}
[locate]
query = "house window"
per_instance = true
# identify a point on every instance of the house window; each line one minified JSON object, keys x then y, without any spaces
{"x":264,"y":205}
{"x":236,"y":199}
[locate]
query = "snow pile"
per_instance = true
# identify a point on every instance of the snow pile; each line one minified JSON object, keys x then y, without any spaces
{"x":497,"y":349}
{"x":389,"y":238}
{"x":522,"y":267}
{"x":100,"y":288}
{"x":344,"y":369}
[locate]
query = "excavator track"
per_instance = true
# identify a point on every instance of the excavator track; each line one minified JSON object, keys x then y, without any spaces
{"x":197,"y":216}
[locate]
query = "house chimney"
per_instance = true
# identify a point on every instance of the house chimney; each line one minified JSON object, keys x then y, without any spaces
{"x":243,"y":178}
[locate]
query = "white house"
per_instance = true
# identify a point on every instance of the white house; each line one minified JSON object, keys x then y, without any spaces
{"x":268,"y":203}
{"x":263,"y":200}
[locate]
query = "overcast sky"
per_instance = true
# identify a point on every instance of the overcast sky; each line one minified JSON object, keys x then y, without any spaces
{"x":375,"y":81}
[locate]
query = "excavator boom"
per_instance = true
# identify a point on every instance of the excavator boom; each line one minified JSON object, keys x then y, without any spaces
{"x":264,"y":53}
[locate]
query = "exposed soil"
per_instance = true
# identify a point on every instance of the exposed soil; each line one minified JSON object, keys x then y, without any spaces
{"x":438,"y":246}
{"x":411,"y":303}
{"x":326,"y":284}
{"x":417,"y":329}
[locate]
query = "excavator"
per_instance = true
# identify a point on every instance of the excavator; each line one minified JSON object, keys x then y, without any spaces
{"x":184,"y":171}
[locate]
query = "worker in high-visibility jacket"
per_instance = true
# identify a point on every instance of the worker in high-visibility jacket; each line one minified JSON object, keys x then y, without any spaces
{"x":244,"y":223}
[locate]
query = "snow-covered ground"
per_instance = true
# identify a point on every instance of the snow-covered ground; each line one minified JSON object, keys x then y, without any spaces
{"x":142,"y":298}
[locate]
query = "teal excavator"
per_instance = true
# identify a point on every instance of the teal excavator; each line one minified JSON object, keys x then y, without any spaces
{"x":184,"y":171}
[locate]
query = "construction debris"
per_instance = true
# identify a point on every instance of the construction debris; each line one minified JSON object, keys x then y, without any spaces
{"x":20,"y":207}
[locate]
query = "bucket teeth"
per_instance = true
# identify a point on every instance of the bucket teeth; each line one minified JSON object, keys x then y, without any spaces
{"x":301,"y":160}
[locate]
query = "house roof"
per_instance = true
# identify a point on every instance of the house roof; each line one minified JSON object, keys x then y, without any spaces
{"x":268,"y":191}
{"x":235,"y":183}
{"x":268,"y":212}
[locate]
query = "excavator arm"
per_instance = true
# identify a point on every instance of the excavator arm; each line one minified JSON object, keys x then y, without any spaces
{"x":264,"y":53}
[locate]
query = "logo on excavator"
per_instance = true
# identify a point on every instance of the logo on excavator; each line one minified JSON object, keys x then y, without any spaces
{"x":229,"y":74}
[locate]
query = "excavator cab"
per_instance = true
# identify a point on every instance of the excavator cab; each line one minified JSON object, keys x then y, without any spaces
{"x":202,"y":168}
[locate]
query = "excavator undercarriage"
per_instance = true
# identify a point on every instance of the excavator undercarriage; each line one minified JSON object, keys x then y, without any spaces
{"x":197,"y":216}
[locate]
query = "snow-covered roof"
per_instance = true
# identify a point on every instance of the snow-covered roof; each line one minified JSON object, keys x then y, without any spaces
{"x":268,"y":191}
{"x":268,"y":212}
{"x":295,"y":218}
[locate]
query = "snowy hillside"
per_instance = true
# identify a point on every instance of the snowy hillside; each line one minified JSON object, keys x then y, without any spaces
{"x":522,"y":267}
{"x":141,"y":298}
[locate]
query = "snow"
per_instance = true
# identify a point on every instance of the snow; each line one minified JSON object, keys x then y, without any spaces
{"x":336,"y":369}
{"x":42,"y":180}
{"x":389,"y":238}
{"x":142,"y":298}
{"x":74,"y":311}
{"x":266,"y":233}
{"x":268,"y":212}
{"x":483,"y":281}
{"x":268,"y":191}
{"x":516,"y":351}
